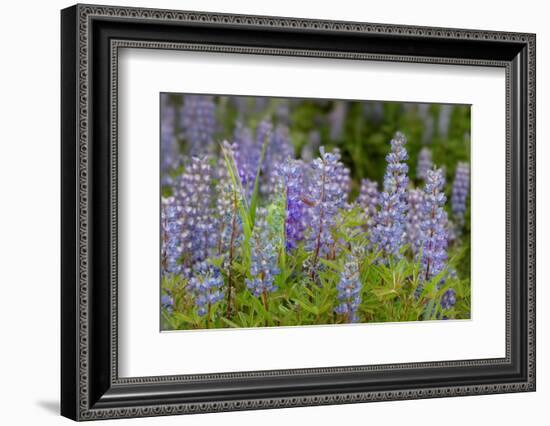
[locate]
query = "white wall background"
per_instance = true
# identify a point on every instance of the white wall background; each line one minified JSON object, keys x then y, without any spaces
{"x":29,"y":214}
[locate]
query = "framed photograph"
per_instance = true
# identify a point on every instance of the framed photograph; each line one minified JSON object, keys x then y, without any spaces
{"x":263,"y":212}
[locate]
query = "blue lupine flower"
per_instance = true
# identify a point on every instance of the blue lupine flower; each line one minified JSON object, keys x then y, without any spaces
{"x":342,"y":177}
{"x":415,"y":234}
{"x":311,"y":146}
{"x":198,"y":119}
{"x":173,"y":234}
{"x":194,"y":194}
{"x":444,"y":120}
{"x":167,"y":303}
{"x":461,"y":186}
{"x":349,"y":288}
{"x":325,"y":196}
{"x":291,"y":173}
{"x":264,"y":260}
{"x":206,"y":285}
{"x":434,"y":248}
{"x":388,"y":234}
{"x":337,"y":119}
{"x":368,"y":200}
{"x":278,"y":149}
{"x":449,"y":299}
{"x":424,"y":163}
{"x":169,"y":152}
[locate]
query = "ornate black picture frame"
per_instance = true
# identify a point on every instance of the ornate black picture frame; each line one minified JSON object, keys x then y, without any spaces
{"x":91,"y":36}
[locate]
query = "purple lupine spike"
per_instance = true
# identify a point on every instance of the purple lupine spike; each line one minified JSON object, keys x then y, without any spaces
{"x":291,"y":173}
{"x":279,"y":149}
{"x":342,"y":178}
{"x":198,"y":120}
{"x":325,"y":195}
{"x":337,"y":119}
{"x":247,"y":155}
{"x":263,"y":264}
{"x":194,"y":195}
{"x":415,"y":235}
{"x":434,"y":249}
{"x":368,"y":200}
{"x":169,"y":152}
{"x":206,"y":285}
{"x":260,"y":104}
{"x":167,"y":303}
{"x":230,"y":222}
{"x":311,"y":146}
{"x":282,"y":112}
{"x":424,"y":163}
{"x":349,"y":288}
{"x":461,"y":186}
{"x":444,"y":120}
{"x":373,"y":111}
{"x":388,"y":234}
{"x":173,"y":236}
{"x":428,"y":123}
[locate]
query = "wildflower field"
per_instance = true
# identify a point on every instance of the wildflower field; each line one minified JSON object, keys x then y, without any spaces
{"x":286,"y":212}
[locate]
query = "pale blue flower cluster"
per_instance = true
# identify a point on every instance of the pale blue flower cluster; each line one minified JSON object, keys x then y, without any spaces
{"x":349,"y":288}
{"x":278,"y":150}
{"x":194,"y":195}
{"x":424,"y":163}
{"x":325,"y":196}
{"x":461,"y":186}
{"x":167,"y":302}
{"x":388,"y":234}
{"x":264,"y":261}
{"x":434,"y":248}
{"x":172,"y":234}
{"x":368,"y":200}
{"x":169,"y":152}
{"x":337,"y":120}
{"x":415,"y":234}
{"x":206,"y":285}
{"x":198,"y":118}
{"x":291,"y":173}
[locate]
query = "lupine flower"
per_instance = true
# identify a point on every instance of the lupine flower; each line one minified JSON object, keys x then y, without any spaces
{"x":206,"y":285}
{"x":199,"y":123}
{"x":444,"y":120}
{"x":263,"y":267}
{"x":173,"y":234}
{"x":415,"y":234}
{"x":230,"y":222}
{"x":167,"y":303}
{"x":368,"y":200}
{"x":461,"y":186}
{"x":247,"y":155}
{"x":424,"y":163}
{"x":427,"y":119}
{"x":337,"y":119}
{"x":388,"y":233}
{"x":311,"y":146}
{"x":373,"y":111}
{"x":449,"y":299}
{"x":260,"y":103}
{"x":342,"y":177}
{"x":278,"y":149}
{"x":349,"y":288}
{"x":169,"y":152}
{"x":434,"y":249}
{"x":283,"y":113}
{"x":325,"y":196}
{"x":291,"y":173}
{"x":194,"y":195}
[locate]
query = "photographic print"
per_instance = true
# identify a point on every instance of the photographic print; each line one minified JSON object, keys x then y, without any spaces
{"x":281,"y":212}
